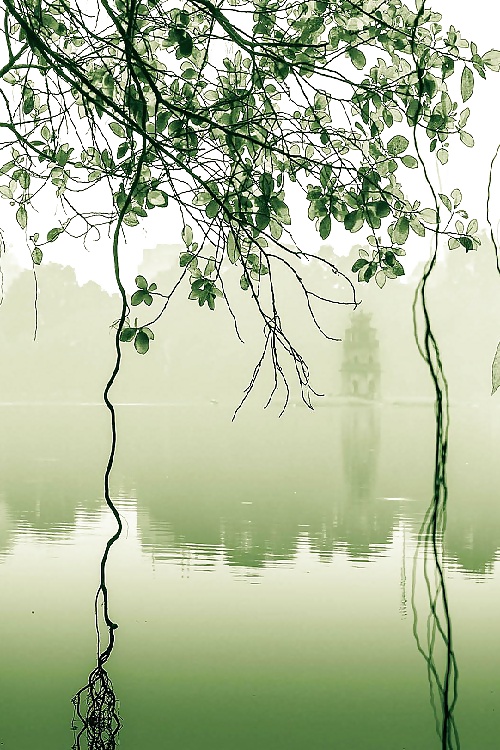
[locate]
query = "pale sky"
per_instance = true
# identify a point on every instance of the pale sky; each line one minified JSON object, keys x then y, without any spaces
{"x":467,"y":168}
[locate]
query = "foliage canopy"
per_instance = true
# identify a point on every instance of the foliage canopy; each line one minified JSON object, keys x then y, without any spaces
{"x":118,"y":109}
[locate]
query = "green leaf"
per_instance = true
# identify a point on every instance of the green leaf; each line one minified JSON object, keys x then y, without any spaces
{"x":37,"y":256}
{"x":495,"y":371}
{"x":453,"y":243}
{"x":446,"y":201}
{"x":117,"y":129}
{"x":149,"y":333}
{"x":7,"y":167}
{"x":187,"y":235}
{"x":162,"y":121}
{"x":457,"y":197}
{"x":417,"y":226}
{"x":202,"y":198}
{"x":466,"y":83}
{"x":413,"y":112}
{"x":185,"y":259}
{"x":401,"y":230}
{"x":244,"y":283}
{"x":141,"y":282}
{"x":152,"y":288}
{"x":24,"y":179}
{"x":22,"y":217}
{"x":281,"y":210}
{"x":382,"y":209}
{"x":233,"y":252}
{"x":28,"y":102}
{"x":410,"y":161}
{"x":467,"y":243}
{"x":212,"y":209}
{"x":325,"y":174}
{"x":138,"y":296}
{"x":472,"y":227}
{"x":50,"y":22}
{"x":466,"y":139}
{"x":464,"y":116}
{"x":281,"y":69}
{"x":360,"y":263}
{"x":189,"y":74}
{"x":198,"y":284}
{"x":262,"y":219}
{"x":492,"y":60}
{"x":266,"y":183}
{"x":354,"y":221}
{"x":157,"y":198}
{"x":397,"y":268}
{"x":357,"y":57}
{"x":54,"y":233}
{"x":185,"y":46}
{"x":442,"y":155}
{"x":127,"y":334}
{"x":325,"y":227}
{"x":397,"y":145}
{"x":141,"y":342}
{"x":253,"y":260}
{"x":210,"y":267}
{"x":429,"y":215}
{"x":380,"y":278}
{"x":367,"y":272}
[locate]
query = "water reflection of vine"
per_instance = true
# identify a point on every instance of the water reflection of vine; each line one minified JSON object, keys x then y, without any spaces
{"x":99,"y":716}
{"x":95,"y":704}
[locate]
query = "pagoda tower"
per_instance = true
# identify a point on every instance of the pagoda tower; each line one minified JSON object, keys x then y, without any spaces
{"x":360,"y":365}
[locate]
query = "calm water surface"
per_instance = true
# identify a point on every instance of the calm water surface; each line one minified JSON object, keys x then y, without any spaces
{"x":263,"y":583}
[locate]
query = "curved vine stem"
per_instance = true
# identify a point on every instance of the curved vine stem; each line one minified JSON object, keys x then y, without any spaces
{"x":101,"y":720}
{"x":431,"y":534}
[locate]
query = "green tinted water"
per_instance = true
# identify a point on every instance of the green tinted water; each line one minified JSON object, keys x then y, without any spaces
{"x":263,"y":583}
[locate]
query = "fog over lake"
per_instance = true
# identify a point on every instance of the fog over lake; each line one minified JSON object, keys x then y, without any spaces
{"x":269,"y":585}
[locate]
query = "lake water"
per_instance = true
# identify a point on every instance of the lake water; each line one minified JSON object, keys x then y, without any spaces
{"x":263,"y":584}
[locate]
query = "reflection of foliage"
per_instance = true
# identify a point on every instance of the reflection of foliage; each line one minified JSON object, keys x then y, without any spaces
{"x":137,"y":106}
